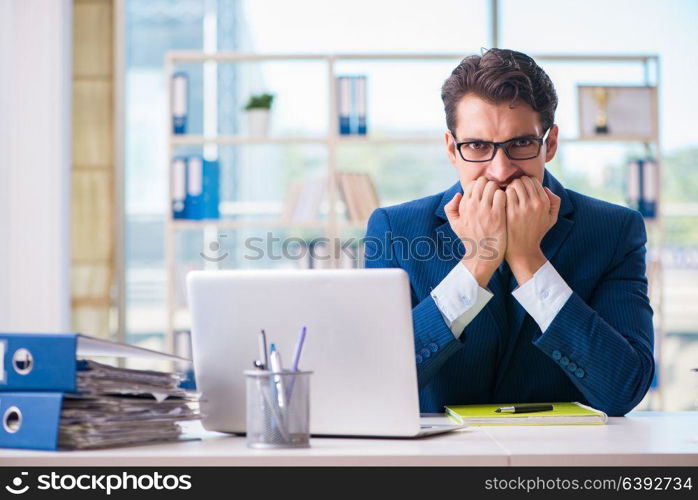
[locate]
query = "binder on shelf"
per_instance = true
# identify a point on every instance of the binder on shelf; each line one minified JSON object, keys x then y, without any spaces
{"x":180,"y":102}
{"x":194,"y":203}
{"x":178,"y":178}
{"x":351,"y":104}
{"x":360,"y":84}
{"x":643,"y":186}
{"x":344,"y":104}
{"x":211,"y":190}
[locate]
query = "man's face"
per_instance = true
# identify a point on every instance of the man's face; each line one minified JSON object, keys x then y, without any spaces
{"x":477,"y":119}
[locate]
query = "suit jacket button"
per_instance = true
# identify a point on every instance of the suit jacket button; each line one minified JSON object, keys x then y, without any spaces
{"x":557,"y":355}
{"x":433,"y":347}
{"x":564,"y":361}
{"x":419,"y":359}
{"x":572,"y":367}
{"x":425,"y":353}
{"x":579,"y":373}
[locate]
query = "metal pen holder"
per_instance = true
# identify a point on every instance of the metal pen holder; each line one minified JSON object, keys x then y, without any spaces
{"x":278,"y":409}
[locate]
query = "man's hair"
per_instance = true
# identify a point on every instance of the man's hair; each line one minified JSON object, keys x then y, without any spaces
{"x":497,"y":76}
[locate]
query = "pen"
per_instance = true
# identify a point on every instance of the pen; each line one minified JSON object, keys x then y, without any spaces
{"x":524,"y":409}
{"x":263,"y":348}
{"x":275,"y":410}
{"x":275,"y":360}
{"x":297,"y":352}
{"x":294,"y":365}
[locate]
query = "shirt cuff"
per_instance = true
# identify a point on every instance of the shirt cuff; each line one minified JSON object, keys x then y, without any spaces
{"x":460,"y":298}
{"x":543,"y":295}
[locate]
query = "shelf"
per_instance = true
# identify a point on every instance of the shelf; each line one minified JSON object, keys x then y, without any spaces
{"x":198,"y":140}
{"x":194,"y":140}
{"x":607,"y":139}
{"x":187,"y":225}
{"x":185,"y":56}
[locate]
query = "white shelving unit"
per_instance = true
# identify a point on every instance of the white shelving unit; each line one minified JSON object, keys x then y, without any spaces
{"x":332,"y":140}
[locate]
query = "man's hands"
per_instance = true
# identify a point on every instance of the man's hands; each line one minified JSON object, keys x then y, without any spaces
{"x":531,"y":211}
{"x":477,"y":214}
{"x":512,"y":223}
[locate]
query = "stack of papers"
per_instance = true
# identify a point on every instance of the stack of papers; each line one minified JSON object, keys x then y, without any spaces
{"x":120,"y":406}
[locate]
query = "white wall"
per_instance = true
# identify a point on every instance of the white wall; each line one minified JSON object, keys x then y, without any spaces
{"x":35,"y":159}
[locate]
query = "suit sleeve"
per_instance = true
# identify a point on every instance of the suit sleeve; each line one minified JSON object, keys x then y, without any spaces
{"x":606,"y":345}
{"x":433,"y":340}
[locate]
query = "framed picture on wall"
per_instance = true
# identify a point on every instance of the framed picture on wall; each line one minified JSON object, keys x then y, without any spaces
{"x":617,"y":112}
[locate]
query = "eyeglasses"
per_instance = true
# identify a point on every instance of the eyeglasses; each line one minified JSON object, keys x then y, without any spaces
{"x":518,"y":148}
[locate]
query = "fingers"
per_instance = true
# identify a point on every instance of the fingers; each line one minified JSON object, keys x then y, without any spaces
{"x":529,"y":184}
{"x":511,"y":196}
{"x":499,"y":200}
{"x":452,"y":207}
{"x":519,"y":193}
{"x":488,"y":194}
{"x":555,"y":203}
{"x":538,"y":187}
{"x":478,"y":188}
{"x":468,"y":188}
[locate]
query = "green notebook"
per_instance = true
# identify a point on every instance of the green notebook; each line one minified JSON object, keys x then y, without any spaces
{"x":561,"y":414}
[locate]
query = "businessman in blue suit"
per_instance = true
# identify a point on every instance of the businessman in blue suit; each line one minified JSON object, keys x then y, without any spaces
{"x":522,"y":290}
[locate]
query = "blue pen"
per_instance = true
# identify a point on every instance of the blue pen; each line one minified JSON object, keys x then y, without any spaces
{"x":297,"y":352}
{"x":296,"y":359}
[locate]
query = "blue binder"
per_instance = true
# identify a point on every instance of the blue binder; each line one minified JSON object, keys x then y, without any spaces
{"x":48,"y":362}
{"x":194,"y":201}
{"x":30,"y":419}
{"x":211,"y":190}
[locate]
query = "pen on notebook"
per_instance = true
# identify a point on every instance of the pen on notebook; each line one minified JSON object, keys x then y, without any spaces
{"x":524,"y":409}
{"x":263,"y":348}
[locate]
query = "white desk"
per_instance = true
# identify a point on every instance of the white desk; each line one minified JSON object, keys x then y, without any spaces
{"x":642,"y":438}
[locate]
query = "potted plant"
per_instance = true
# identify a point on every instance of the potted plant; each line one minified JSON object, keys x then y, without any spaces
{"x":257,"y":109}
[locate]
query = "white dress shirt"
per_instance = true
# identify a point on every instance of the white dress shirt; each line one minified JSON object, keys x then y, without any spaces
{"x":460,"y":298}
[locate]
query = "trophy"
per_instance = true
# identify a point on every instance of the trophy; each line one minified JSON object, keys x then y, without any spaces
{"x":601,"y":121}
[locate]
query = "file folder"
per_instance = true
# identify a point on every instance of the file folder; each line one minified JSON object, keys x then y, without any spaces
{"x":48,"y":362}
{"x":361,"y":104}
{"x":30,"y":420}
{"x":180,"y":98}
{"x":179,"y":187}
{"x":211,"y":190}
{"x":194,"y":201}
{"x":344,"y":104}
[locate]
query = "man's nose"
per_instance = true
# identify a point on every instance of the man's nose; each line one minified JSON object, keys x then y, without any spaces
{"x":500,"y":168}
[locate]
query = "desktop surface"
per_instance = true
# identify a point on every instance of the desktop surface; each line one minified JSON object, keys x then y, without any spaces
{"x":639,"y":439}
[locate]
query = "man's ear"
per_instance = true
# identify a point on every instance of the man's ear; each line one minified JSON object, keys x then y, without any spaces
{"x":551,"y":144}
{"x":450,"y":147}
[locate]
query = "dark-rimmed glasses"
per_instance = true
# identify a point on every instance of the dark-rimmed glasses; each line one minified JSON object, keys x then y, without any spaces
{"x":518,"y":148}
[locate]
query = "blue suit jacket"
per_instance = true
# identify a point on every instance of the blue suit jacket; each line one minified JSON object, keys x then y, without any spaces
{"x":599,"y":348}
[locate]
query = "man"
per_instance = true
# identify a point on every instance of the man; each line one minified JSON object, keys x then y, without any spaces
{"x":529,"y":292}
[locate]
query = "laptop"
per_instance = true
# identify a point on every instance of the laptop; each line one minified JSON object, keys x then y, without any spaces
{"x":359,"y":345}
